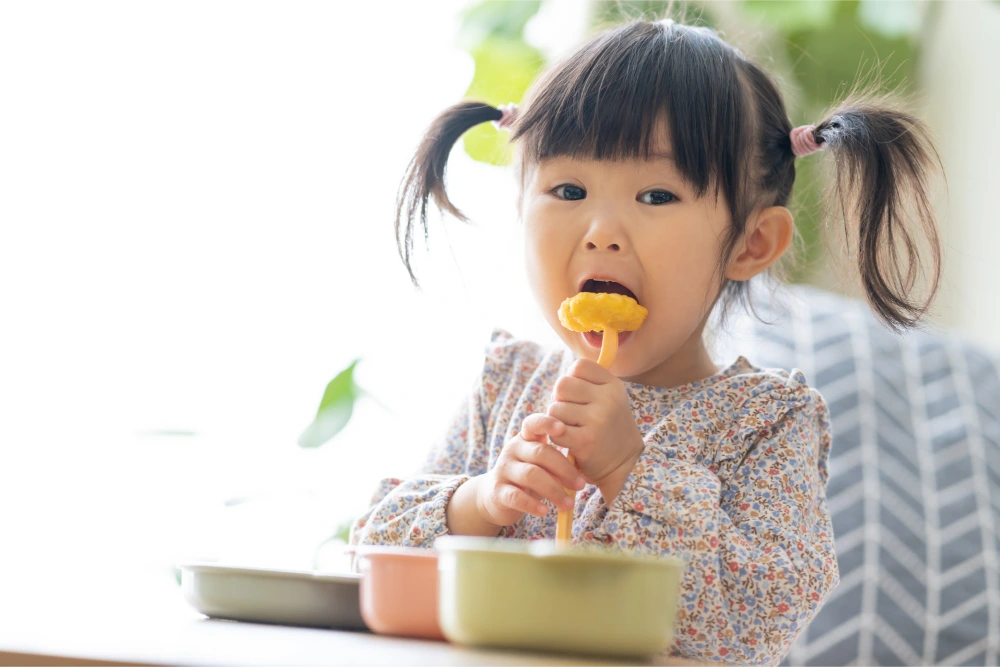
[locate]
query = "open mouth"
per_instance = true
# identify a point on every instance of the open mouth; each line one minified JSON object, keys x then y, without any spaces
{"x":596,"y":339}
{"x":609,"y":286}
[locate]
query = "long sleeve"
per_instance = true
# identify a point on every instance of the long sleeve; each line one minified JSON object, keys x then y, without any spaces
{"x":412,"y":512}
{"x":515,"y":379}
{"x":750,"y":520}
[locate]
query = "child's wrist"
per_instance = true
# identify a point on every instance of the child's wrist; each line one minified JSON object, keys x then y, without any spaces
{"x":465,"y":514}
{"x":612,"y":486}
{"x":481,"y":512}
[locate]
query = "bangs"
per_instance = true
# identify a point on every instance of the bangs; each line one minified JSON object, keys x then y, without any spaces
{"x":609,"y":99}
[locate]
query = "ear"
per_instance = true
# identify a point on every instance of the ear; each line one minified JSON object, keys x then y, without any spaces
{"x":765,"y":239}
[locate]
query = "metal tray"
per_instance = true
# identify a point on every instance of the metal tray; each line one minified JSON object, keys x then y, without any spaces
{"x":286,"y":597}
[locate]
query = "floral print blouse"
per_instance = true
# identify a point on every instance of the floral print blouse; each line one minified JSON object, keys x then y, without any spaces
{"x":732,"y":479}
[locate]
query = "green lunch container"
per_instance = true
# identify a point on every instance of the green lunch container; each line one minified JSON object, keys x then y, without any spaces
{"x":545,"y":596}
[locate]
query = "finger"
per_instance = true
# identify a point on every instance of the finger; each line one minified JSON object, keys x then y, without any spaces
{"x":569,"y":389}
{"x":590,"y":371}
{"x":570,"y":414}
{"x":551,"y":460}
{"x":536,"y":426}
{"x":508,"y":495}
{"x":540,"y":481}
{"x":573,"y":441}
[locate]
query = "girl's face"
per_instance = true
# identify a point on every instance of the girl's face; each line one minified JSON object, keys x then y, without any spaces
{"x":638,"y":224}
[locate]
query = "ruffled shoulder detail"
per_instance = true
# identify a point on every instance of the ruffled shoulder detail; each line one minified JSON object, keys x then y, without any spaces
{"x":774,"y":397}
{"x":771,"y":393}
{"x":504,"y":350}
{"x":508,"y":364}
{"x":499,"y":337}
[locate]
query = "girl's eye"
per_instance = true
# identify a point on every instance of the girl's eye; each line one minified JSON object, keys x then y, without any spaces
{"x":657,"y":197}
{"x":570,"y":192}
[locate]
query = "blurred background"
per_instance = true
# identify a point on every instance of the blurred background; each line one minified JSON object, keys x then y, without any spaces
{"x":196,"y":206}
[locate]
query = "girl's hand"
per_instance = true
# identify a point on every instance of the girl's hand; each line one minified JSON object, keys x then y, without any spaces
{"x":600,"y":432}
{"x":527,"y":471}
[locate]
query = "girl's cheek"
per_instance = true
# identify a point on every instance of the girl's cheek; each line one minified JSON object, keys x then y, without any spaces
{"x":548,"y":241}
{"x":696,"y":250}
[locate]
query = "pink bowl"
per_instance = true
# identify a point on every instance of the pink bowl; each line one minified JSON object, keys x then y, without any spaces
{"x":399,"y":590}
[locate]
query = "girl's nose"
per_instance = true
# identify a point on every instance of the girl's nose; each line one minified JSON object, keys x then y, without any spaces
{"x":603,"y":237}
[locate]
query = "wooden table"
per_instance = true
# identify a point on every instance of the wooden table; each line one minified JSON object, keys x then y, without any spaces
{"x":214,"y":642}
{"x":100,"y":621}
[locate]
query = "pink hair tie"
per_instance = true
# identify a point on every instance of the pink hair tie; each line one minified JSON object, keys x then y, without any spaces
{"x":804,"y":142}
{"x":509,"y":112}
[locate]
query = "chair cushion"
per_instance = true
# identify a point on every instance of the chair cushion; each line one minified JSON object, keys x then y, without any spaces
{"x":914,"y":484}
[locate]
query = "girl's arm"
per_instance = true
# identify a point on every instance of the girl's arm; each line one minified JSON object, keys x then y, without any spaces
{"x":441,"y":498}
{"x":414,"y":512}
{"x":752,"y":524}
{"x":464,"y":515}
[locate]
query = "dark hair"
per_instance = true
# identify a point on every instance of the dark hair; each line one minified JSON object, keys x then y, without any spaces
{"x":604,"y":100}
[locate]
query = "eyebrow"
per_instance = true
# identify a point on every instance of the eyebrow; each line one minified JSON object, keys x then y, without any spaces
{"x":662,"y":156}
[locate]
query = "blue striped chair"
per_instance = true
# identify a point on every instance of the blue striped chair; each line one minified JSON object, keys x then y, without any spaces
{"x":914,"y":484}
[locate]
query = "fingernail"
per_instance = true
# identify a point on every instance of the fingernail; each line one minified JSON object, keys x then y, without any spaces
{"x":566,"y":503}
{"x":580,"y":483}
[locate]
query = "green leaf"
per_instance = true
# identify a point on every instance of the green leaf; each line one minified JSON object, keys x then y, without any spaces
{"x":237,"y":500}
{"x":504,"y":19}
{"x":890,"y":19}
{"x":612,"y":12}
{"x":806,"y":205}
{"x":830,"y":62}
{"x":504,"y":70}
{"x":790,"y":16}
{"x":341,"y":534}
{"x":335,"y":409}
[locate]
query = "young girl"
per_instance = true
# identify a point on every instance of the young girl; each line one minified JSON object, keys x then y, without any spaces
{"x":656,"y":161}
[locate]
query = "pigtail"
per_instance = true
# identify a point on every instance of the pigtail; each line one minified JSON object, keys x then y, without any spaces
{"x":883,"y":159}
{"x":424,"y":178}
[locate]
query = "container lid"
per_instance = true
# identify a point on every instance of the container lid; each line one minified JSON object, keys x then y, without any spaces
{"x":552,"y":550}
{"x":207,"y":567}
{"x":389,"y":550}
